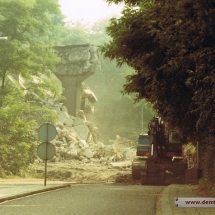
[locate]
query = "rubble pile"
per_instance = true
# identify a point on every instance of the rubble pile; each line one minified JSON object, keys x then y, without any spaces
{"x":78,"y":139}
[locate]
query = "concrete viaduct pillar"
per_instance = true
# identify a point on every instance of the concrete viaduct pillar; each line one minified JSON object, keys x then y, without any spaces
{"x":77,"y":63}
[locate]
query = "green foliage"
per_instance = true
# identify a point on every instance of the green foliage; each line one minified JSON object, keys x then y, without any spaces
{"x":26,"y":51}
{"x":170,"y":44}
{"x":98,"y":34}
{"x":127,"y":2}
{"x":171,"y":47}
{"x":115,"y":114}
{"x":26,"y":59}
{"x":75,"y":33}
{"x":16,"y":141}
{"x":19,"y":119}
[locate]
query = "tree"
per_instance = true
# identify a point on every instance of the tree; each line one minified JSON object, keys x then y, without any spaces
{"x":170,"y":44}
{"x":115,"y":113}
{"x":26,"y":59}
{"x":75,"y":33}
{"x":26,"y":23}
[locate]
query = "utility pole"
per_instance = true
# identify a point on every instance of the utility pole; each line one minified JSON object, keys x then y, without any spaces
{"x":142,"y":118}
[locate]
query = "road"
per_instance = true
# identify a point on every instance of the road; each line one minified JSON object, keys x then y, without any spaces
{"x":89,"y":199}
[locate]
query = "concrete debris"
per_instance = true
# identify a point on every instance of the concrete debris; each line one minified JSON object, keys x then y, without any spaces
{"x":77,"y":139}
{"x":88,"y":94}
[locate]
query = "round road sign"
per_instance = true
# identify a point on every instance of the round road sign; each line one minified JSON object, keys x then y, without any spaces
{"x":46,"y":151}
{"x":47,"y":132}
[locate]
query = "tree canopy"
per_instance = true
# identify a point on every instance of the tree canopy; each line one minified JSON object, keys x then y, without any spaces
{"x":26,"y":24}
{"x":25,"y":58}
{"x":170,"y":44}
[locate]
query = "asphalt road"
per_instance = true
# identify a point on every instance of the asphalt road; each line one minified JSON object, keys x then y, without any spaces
{"x":88,"y":200}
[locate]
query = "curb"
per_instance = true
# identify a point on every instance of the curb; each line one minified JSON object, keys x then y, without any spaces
{"x":163,"y":204}
{"x":34,"y":192}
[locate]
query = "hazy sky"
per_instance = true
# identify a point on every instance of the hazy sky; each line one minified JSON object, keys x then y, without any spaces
{"x":88,"y":11}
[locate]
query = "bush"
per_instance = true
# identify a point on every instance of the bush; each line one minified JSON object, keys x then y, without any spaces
{"x":2,"y":172}
{"x":17,"y":128}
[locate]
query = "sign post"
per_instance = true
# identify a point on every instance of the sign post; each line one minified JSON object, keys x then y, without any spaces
{"x":46,"y":150}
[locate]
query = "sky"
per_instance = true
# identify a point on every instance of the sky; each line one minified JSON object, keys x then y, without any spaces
{"x":88,"y":11}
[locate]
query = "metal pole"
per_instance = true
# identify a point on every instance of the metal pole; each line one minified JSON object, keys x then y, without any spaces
{"x":45,"y":172}
{"x":45,"y":175}
{"x":152,"y":149}
{"x":142,"y":120}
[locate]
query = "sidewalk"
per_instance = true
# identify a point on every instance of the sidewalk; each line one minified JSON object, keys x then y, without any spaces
{"x":12,"y":189}
{"x":166,"y":203}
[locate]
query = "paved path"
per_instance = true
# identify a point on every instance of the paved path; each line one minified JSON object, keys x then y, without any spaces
{"x":12,"y":189}
{"x":166,"y":204}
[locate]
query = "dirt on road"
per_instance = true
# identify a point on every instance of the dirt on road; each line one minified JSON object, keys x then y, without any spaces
{"x":79,"y":172}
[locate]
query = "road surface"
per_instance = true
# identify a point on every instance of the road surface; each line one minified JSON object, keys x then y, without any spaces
{"x":96,"y":199}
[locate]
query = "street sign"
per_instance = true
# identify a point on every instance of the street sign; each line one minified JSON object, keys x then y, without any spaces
{"x":47,"y":132}
{"x":46,"y":151}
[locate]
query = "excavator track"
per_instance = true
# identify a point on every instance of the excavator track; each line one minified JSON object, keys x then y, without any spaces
{"x":138,"y":165}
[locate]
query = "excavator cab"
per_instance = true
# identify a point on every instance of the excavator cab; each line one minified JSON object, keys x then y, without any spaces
{"x":174,"y":146}
{"x":144,"y":145}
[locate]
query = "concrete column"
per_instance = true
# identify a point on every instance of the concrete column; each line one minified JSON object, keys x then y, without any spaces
{"x":77,"y":63}
{"x":71,"y":92}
